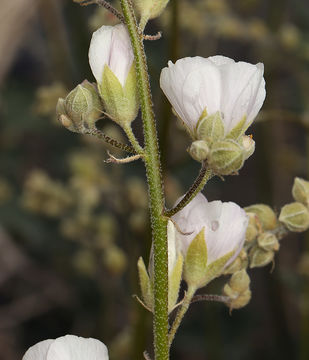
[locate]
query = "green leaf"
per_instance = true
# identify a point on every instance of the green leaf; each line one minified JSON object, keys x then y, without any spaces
{"x":145,"y":284}
{"x":196,"y":260}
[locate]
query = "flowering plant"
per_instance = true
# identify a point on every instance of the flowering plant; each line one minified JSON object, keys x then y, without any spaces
{"x":197,"y":241}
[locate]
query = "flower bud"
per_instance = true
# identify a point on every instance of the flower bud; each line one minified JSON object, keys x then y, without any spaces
{"x":248,"y":144}
{"x":199,"y":150}
{"x":238,"y":290}
{"x":149,"y":9}
{"x":240,"y":263}
{"x":295,"y":217}
{"x":81,"y":108}
{"x":226,"y":157}
{"x":265,"y":214}
{"x":300,"y":191}
{"x":239,"y":281}
{"x":259,"y":257}
{"x":241,"y":301}
{"x":268,"y":241}
{"x":111,"y":60}
{"x":253,"y":228}
{"x":210,"y":128}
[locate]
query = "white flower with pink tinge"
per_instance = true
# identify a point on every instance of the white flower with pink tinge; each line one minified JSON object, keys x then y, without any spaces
{"x":224,"y":223}
{"x":215,"y":84}
{"x":68,"y":347}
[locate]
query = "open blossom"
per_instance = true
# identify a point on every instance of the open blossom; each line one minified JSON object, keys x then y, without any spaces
{"x":224,"y":225}
{"x":68,"y":347}
{"x":215,"y":84}
{"x":111,"y":46}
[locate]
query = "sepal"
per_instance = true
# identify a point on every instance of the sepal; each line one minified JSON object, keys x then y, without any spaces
{"x":121,"y":103}
{"x":238,"y":130}
{"x":210,"y":128}
{"x":145,"y":284}
{"x":195,"y":264}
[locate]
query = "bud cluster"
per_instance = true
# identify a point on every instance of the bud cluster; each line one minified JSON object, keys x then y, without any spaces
{"x":224,"y":154}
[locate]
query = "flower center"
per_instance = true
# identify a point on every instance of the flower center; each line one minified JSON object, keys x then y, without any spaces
{"x":214,"y":225}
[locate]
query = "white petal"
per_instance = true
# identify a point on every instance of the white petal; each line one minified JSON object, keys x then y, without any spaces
{"x":122,"y":56}
{"x":242,"y":83}
{"x":38,"y":351}
{"x":191,"y":85}
{"x":99,"y":50}
{"x":225,"y":230}
{"x":220,"y":60}
{"x":172,"y":246}
{"x":190,"y":221}
{"x":72,"y":347}
{"x":201,"y":90}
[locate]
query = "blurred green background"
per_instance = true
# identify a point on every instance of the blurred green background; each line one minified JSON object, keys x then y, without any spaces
{"x":72,"y":227}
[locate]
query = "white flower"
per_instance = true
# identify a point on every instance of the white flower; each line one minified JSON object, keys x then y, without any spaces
{"x":111,"y":46}
{"x":216,"y":83}
{"x":68,"y":347}
{"x":224,"y":224}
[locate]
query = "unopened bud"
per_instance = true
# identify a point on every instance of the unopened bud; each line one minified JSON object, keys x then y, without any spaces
{"x":268,"y":241}
{"x":226,"y":157}
{"x":241,"y":301}
{"x":300,"y":191}
{"x":199,"y":150}
{"x":149,"y":9}
{"x":253,"y":228}
{"x":81,"y":108}
{"x":259,"y":257}
{"x":265,"y":214}
{"x":295,"y":217}
{"x":248,"y":144}
{"x":240,"y":281}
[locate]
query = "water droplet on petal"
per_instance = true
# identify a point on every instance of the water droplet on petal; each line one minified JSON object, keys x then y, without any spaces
{"x":214,"y":225}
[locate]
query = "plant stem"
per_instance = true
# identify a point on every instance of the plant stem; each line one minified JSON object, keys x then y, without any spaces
{"x":152,"y":164}
{"x":181,"y":312}
{"x":197,"y":186}
{"x":113,"y":142}
{"x":133,"y":140}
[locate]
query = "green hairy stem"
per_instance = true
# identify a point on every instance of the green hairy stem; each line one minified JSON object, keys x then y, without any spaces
{"x":152,"y":164}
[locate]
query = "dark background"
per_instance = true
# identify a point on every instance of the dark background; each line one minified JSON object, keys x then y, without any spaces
{"x":73,"y":227}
